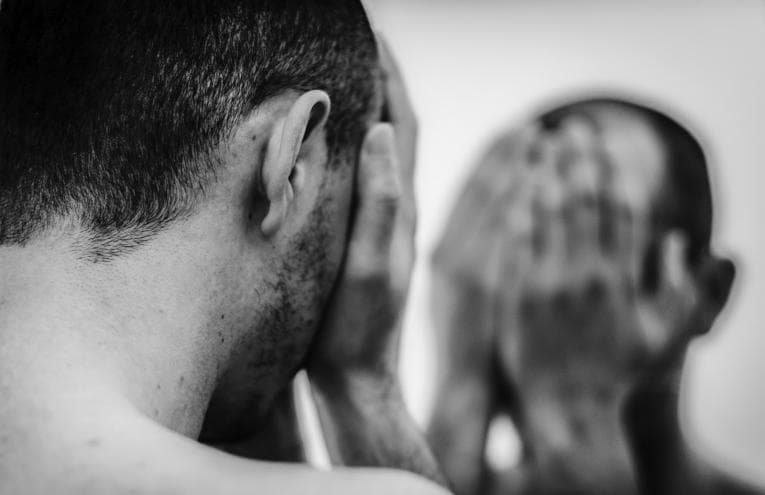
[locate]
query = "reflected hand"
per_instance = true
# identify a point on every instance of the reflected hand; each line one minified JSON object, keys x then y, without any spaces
{"x":576,"y":288}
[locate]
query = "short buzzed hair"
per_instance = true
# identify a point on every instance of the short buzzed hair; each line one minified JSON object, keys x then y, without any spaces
{"x":110,"y":110}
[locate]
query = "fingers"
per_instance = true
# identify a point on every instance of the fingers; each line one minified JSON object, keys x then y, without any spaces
{"x":581,"y":175}
{"x":674,"y":273}
{"x":600,"y":220}
{"x":379,"y":192}
{"x":491,"y":222}
{"x":499,"y":185}
{"x":666,"y":313}
{"x":548,"y":238}
{"x":517,"y":247}
{"x":398,"y":109}
{"x":674,"y":294}
{"x":398,"y":105}
{"x":619,"y":218}
{"x":504,"y":169}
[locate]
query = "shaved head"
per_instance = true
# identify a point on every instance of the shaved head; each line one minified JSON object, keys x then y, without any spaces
{"x":684,"y":198}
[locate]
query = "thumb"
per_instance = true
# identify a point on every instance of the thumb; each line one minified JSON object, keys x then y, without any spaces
{"x":671,"y":305}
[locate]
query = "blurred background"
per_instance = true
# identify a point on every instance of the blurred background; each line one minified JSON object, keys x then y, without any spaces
{"x":475,"y":67}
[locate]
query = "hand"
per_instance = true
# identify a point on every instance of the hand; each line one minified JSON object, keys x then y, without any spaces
{"x":575,"y":291}
{"x":353,"y":367}
{"x":362,"y":325}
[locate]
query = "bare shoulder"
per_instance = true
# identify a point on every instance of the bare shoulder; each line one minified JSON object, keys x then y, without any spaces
{"x":129,"y":455}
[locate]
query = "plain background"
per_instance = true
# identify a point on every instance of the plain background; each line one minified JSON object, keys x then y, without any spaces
{"x":475,"y":67}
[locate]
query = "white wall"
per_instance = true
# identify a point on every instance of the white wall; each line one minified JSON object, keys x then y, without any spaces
{"x":476,"y":66}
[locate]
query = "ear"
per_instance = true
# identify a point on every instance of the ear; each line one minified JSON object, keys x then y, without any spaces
{"x":715,"y":280}
{"x":282,"y":176}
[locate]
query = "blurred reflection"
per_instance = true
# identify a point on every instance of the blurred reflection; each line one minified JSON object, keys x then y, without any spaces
{"x":574,"y":272}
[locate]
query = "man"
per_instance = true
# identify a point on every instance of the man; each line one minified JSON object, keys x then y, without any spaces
{"x":579,"y":259}
{"x":176,"y":185}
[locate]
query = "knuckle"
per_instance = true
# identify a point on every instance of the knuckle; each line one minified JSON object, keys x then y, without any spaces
{"x":386,"y":186}
{"x":390,"y":190}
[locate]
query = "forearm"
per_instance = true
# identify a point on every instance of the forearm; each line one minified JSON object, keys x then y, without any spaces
{"x":366,"y":423}
{"x":457,"y":434}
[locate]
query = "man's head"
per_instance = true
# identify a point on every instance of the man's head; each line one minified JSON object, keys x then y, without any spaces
{"x":664,"y":172}
{"x":112,"y":112}
{"x":665,"y":164}
{"x":653,"y":168}
{"x":560,"y":241}
{"x":208,"y":137}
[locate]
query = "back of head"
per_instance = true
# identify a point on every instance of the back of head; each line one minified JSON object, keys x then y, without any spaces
{"x":111,"y":110}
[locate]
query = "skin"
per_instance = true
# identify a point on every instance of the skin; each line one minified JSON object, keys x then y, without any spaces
{"x":107,"y":369}
{"x":363,"y":410}
{"x":565,"y":336}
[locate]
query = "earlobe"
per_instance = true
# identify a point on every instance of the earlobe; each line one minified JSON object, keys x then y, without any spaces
{"x":721,"y":282}
{"x":717,"y":277}
{"x":281,"y":175}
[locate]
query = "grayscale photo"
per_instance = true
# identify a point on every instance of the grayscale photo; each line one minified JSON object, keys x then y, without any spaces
{"x":438,"y":247}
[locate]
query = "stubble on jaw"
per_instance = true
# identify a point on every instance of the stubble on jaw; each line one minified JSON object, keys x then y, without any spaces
{"x":272,"y":352}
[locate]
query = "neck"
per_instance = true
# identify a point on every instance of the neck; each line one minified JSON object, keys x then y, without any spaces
{"x":652,"y":416}
{"x":576,"y":440}
{"x":131,"y":331}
